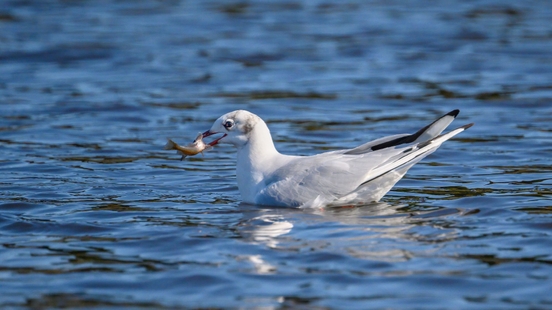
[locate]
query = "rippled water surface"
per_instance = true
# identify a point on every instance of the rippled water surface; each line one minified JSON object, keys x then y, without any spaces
{"x":94,"y":213}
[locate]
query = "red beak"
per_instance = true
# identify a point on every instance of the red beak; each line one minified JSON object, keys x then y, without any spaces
{"x":210,"y":133}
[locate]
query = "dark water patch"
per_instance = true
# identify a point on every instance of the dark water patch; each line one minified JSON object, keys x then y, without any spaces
{"x":34,"y":271}
{"x":534,"y":128}
{"x":434,"y":214}
{"x":528,"y":182}
{"x":539,"y":210}
{"x":93,"y":146}
{"x":386,"y":118}
{"x":14,"y":127}
{"x":253,"y":60}
{"x":100,"y":160}
{"x":7,"y":17}
{"x":493,"y":95}
{"x":129,"y":140}
{"x":317,"y":126}
{"x":524,"y":169}
{"x":175,"y":105}
{"x":61,"y":54}
{"x":17,"y":117}
{"x":492,"y":260}
{"x":238,"y":8}
{"x":64,"y":127}
{"x":172,"y":167}
{"x":450,"y":192}
{"x":19,"y":207}
{"x":499,"y":10}
{"x":35,"y":225}
{"x":61,"y":300}
{"x":115,"y":207}
{"x":260,"y":95}
{"x":485,"y":139}
{"x":448,"y":94}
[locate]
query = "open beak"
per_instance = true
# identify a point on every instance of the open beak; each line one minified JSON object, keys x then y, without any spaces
{"x":210,"y":133}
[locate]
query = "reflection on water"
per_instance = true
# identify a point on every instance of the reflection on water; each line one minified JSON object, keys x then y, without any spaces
{"x":264,"y":229}
{"x":95,"y":214}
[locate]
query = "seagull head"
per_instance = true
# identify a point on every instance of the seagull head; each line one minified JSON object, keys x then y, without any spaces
{"x":235,"y":126}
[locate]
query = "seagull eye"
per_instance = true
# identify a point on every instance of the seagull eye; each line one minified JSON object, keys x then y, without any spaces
{"x":228,"y":124}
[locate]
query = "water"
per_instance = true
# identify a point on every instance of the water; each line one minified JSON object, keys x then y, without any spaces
{"x":93,"y":213}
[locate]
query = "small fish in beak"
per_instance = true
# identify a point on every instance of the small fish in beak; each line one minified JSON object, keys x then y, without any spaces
{"x":194,"y":148}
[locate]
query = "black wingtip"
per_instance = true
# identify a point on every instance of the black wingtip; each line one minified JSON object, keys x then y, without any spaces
{"x":467,"y":126}
{"x":453,"y":113}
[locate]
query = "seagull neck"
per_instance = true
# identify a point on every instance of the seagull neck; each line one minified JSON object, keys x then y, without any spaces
{"x":256,"y":159}
{"x":259,"y":151}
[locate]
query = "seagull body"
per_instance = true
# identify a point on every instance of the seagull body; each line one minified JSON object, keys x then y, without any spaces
{"x":345,"y":177}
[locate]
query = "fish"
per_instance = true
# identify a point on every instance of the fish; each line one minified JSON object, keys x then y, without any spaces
{"x":191,"y":149}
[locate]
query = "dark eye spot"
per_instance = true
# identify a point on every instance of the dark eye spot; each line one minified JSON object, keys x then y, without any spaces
{"x":228,"y":124}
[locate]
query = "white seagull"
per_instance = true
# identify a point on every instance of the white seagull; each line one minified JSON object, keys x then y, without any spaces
{"x":344,"y":177}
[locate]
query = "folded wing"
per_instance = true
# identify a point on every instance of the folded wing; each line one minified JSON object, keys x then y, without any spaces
{"x":330,"y":177}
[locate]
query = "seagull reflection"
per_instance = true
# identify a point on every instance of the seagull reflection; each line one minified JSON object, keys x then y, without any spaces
{"x":383,"y":224}
{"x":378,"y":231}
{"x":264,"y":229}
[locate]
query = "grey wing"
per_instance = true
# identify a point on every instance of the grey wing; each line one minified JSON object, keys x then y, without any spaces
{"x":335,"y":174}
{"x":326,"y":176}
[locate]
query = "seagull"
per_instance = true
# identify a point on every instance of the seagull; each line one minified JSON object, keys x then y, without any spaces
{"x":355,"y":176}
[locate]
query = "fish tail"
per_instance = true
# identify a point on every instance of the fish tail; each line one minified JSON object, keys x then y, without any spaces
{"x":170,"y":145}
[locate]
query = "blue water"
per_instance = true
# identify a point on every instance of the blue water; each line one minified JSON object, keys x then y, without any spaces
{"x":95,"y":214}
